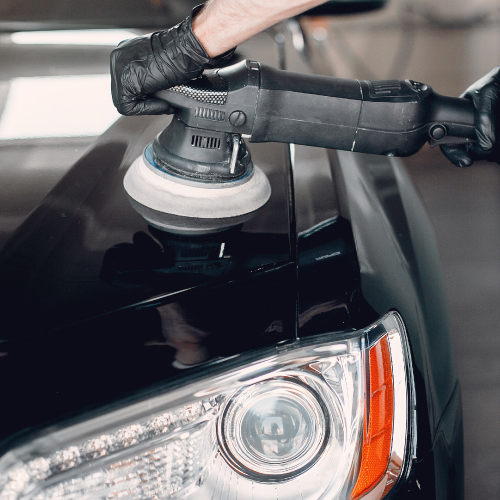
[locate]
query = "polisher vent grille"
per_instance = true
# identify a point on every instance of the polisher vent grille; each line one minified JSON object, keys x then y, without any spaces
{"x":200,"y":141}
{"x":209,"y":89}
{"x":190,"y":268}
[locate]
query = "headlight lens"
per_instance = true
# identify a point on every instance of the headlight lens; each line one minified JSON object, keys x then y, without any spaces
{"x":274,"y":429}
{"x":328,"y":417}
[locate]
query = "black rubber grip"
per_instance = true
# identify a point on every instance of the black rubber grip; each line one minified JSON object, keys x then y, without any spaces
{"x":304,"y":109}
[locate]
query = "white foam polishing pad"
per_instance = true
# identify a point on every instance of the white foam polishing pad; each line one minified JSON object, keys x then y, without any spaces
{"x":161,"y":198}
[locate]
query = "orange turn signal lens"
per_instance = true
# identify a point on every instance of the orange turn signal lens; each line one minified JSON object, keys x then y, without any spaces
{"x":378,"y":424}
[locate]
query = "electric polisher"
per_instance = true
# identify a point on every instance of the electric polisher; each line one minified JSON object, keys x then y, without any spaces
{"x":198,"y":176}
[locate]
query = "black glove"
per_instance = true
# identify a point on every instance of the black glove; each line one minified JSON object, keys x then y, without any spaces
{"x":142,"y":66}
{"x":485,"y":95}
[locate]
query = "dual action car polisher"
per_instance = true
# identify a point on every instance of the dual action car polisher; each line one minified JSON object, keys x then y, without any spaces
{"x":198,"y":177}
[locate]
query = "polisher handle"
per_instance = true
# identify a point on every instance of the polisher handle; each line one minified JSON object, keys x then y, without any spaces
{"x":394,"y":118}
{"x":391,"y":117}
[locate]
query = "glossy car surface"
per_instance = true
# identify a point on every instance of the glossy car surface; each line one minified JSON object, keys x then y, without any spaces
{"x":98,"y":307}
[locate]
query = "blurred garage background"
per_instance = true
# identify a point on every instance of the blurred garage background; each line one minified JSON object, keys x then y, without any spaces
{"x":448,"y":44}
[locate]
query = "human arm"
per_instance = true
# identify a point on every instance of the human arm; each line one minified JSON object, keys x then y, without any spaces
{"x":223,"y":24}
{"x":142,"y":66}
{"x":485,"y":94}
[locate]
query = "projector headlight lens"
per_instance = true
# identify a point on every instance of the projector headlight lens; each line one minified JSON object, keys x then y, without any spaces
{"x":274,"y":429}
{"x":328,"y":418}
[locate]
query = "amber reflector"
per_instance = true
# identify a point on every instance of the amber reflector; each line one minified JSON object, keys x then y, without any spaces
{"x":378,"y":420}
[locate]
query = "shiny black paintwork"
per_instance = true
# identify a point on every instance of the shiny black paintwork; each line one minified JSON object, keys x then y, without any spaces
{"x":87,"y":288}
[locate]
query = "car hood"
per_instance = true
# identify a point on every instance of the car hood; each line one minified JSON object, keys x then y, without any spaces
{"x":63,"y":251}
{"x":85,"y":252}
{"x":97,"y":305}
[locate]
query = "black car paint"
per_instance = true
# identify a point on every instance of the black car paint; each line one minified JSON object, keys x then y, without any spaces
{"x":80,"y":303}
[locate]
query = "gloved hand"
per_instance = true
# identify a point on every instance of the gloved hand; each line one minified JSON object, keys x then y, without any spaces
{"x":485,"y":94}
{"x":142,"y":66}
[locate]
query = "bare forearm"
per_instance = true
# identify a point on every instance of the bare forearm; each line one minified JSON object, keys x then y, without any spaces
{"x":223,"y":24}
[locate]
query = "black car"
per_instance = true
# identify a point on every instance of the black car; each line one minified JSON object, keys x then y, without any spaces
{"x":303,"y":354}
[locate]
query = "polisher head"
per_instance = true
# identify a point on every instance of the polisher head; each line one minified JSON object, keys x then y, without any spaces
{"x":194,"y":181}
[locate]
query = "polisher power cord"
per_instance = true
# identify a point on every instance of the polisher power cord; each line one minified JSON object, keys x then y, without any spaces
{"x":263,"y":104}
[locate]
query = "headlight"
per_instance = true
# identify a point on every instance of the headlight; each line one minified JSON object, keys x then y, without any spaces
{"x":329,"y":417}
{"x":274,"y":429}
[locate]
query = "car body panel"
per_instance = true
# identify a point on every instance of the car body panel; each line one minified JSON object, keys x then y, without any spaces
{"x":400,"y":269}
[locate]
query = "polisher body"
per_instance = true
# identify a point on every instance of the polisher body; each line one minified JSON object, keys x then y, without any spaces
{"x":198,"y":175}
{"x":389,"y":117}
